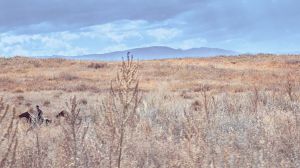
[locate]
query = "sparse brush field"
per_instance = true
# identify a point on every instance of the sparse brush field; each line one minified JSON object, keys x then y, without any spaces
{"x":208,"y":112}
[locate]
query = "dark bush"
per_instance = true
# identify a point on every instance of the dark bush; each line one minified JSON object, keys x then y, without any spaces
{"x":97,"y":65}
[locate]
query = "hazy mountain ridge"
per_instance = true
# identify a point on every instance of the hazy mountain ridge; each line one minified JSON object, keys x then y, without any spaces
{"x":155,"y":52}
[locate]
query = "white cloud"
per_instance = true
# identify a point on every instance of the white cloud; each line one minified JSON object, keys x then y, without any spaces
{"x":69,"y":36}
{"x":116,"y":31}
{"x":15,"y":50}
{"x":118,"y":47}
{"x":162,"y":34}
{"x":190,"y":43}
{"x":9,"y":39}
{"x":115,"y":36}
{"x":39,"y":45}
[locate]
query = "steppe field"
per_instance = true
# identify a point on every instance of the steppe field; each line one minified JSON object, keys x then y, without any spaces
{"x":241,"y":111}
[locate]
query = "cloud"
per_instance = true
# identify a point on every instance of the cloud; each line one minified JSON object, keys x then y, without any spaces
{"x":40,"y":27}
{"x":162,"y":34}
{"x":39,"y":45}
{"x":59,"y":15}
{"x":116,"y":31}
{"x":192,"y":43}
{"x":88,"y":40}
{"x":116,"y":47}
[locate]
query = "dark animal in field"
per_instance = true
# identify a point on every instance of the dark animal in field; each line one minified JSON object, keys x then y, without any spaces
{"x":62,"y":114}
{"x":28,"y":116}
{"x":33,"y":120}
{"x":47,"y":121}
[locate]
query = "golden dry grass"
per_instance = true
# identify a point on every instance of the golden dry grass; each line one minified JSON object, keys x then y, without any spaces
{"x":221,"y":73}
{"x":205,"y":112}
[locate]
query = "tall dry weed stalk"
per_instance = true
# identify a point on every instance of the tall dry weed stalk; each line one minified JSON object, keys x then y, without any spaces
{"x":8,"y":135}
{"x":120,"y":109}
{"x":255,"y":100}
{"x":75,"y":131}
{"x":289,"y":87}
{"x":204,"y":92}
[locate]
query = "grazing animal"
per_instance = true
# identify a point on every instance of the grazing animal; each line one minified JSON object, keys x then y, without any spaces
{"x":34,"y":120}
{"x":62,"y":114}
{"x":28,"y":116}
{"x":47,"y":121}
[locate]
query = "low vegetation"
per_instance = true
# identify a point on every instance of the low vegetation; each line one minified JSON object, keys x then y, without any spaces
{"x":212,"y":112}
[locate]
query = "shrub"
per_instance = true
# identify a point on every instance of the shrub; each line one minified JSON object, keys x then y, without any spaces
{"x":47,"y":103}
{"x":97,"y":65}
{"x":67,"y":76}
{"x":83,"y":101}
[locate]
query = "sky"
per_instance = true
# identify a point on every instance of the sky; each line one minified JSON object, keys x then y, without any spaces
{"x":79,"y":27}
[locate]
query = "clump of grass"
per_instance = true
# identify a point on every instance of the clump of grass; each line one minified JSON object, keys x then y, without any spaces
{"x":83,"y":101}
{"x":20,"y":98}
{"x":67,"y":76}
{"x":47,"y":103}
{"x":97,"y":65}
{"x":28,"y":104}
{"x":289,"y":87}
{"x":19,"y":90}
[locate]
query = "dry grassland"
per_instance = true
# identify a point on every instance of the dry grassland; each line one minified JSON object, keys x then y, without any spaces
{"x":199,"y":112}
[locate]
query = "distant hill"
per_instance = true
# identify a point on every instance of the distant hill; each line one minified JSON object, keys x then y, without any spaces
{"x":155,"y":52}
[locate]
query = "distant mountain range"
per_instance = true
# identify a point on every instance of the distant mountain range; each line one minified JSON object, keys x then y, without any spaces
{"x":155,"y":52}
